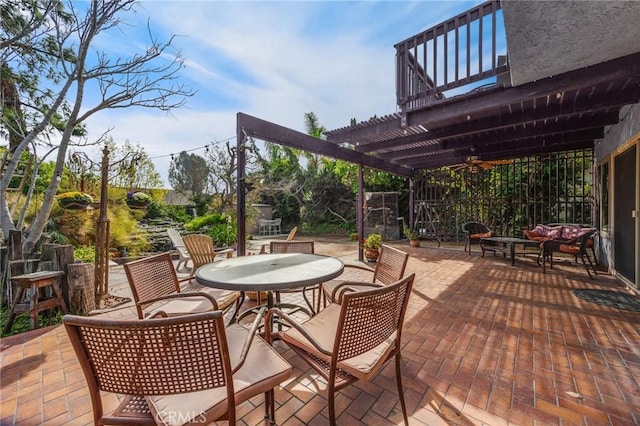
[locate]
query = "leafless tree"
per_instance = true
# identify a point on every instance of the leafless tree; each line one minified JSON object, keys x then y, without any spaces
{"x":148,"y":79}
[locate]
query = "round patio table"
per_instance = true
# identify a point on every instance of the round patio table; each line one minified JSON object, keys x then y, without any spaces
{"x":269,"y":272}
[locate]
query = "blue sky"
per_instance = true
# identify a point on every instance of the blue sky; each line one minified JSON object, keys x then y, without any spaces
{"x":273,"y":60}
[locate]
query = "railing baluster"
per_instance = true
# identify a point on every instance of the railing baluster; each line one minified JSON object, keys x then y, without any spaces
{"x":422,"y":58}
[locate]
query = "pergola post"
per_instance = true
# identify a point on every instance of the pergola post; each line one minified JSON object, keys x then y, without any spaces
{"x":411,"y":201}
{"x":241,"y":214}
{"x":360,"y":211}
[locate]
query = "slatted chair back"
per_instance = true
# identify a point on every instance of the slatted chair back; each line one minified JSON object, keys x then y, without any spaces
{"x":306,"y":247}
{"x":160,"y":356}
{"x":202,"y":250}
{"x":150,"y":278}
{"x":178,"y":245}
{"x":390,"y":265}
{"x":292,"y":233}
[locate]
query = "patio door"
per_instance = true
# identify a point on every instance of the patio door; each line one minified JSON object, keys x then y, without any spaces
{"x":624,"y":214}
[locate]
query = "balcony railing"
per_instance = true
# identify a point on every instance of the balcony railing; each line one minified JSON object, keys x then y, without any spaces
{"x":457,"y":52}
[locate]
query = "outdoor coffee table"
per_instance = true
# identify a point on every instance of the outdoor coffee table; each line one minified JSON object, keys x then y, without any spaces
{"x":269,"y":272}
{"x":506,"y":244}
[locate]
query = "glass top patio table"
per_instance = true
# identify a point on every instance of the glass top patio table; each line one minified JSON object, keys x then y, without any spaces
{"x":269,"y":272}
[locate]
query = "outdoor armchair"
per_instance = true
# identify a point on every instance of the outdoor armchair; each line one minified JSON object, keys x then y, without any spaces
{"x":576,"y":246}
{"x":292,"y":234}
{"x":473,"y":233}
{"x":174,"y":370}
{"x":152,"y":278}
{"x":352,"y":341}
{"x":202,"y":250}
{"x":178,"y":245}
{"x":390,"y":267}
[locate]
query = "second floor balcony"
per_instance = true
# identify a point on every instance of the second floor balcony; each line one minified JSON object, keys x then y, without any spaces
{"x":467,"y":49}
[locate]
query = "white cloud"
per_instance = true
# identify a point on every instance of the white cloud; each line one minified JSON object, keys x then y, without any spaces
{"x":273,"y":60}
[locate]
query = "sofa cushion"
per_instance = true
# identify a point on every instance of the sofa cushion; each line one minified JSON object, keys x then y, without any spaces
{"x":531,"y":235}
{"x":481,"y":235}
{"x":544,"y":232}
{"x":571,"y":249}
{"x":571,"y":232}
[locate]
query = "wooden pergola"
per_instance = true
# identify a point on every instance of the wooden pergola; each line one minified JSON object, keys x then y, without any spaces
{"x":502,"y":120}
{"x":560,"y":113}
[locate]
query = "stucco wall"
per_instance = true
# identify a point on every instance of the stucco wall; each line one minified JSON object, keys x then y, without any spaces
{"x":548,"y":38}
{"x":615,"y":136}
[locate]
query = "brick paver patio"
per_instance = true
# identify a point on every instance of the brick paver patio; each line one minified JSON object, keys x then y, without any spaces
{"x":484,"y":343}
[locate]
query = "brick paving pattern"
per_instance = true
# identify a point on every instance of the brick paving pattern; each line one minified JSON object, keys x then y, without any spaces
{"x":485,"y":343}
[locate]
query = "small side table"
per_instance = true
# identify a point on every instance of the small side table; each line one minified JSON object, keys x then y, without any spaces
{"x":506,"y":245}
{"x":35,"y":281}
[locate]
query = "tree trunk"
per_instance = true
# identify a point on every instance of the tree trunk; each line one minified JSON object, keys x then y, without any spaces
{"x":61,"y":256}
{"x":81,"y":294}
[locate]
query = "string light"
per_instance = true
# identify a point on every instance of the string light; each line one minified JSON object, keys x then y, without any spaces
{"x":206,"y":149}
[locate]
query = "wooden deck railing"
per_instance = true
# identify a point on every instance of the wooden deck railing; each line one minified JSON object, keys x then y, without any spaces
{"x":462,"y":50}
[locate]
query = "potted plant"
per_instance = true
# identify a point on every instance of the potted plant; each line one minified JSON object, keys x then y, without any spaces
{"x":137,"y":200}
{"x":371,"y":247}
{"x":74,"y":200}
{"x":413,"y":235}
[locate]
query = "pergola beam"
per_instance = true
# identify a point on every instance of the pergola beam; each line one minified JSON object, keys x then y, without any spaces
{"x":453,"y":158}
{"x":478,"y":107}
{"x":575,"y":117}
{"x":270,"y":132}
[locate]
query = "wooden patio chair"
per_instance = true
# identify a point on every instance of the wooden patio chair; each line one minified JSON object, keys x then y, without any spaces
{"x":390,"y":267}
{"x":178,"y":245}
{"x":352,"y":341}
{"x":153,"y":278}
{"x":473,"y":233}
{"x":292,"y":234}
{"x":174,"y":370}
{"x":202,"y":250}
{"x":576,"y":247}
{"x":305,"y":247}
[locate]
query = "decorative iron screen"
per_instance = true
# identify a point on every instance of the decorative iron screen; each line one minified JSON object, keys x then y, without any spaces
{"x":507,"y":198}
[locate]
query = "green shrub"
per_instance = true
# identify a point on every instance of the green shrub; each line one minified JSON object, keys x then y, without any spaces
{"x":86,"y":254}
{"x":156,"y":210}
{"x":373,"y":241}
{"x":411,"y":234}
{"x":324,"y":228}
{"x":209,"y":220}
{"x":122,"y":226}
{"x":77,"y":226}
{"x":223,"y":235}
{"x":22,"y":321}
{"x":177,"y":213}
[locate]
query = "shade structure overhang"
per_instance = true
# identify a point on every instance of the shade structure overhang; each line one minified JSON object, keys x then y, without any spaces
{"x":565,"y":112}
{"x":559,"y":113}
{"x":263,"y":130}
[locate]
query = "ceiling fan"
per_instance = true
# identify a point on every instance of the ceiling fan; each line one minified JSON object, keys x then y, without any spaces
{"x":474,"y":163}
